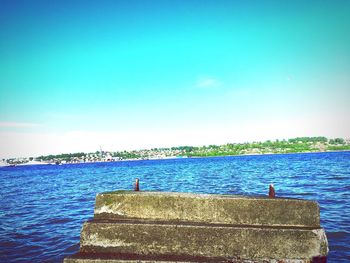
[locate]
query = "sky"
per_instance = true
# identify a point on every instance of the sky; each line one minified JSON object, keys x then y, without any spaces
{"x":77,"y":75}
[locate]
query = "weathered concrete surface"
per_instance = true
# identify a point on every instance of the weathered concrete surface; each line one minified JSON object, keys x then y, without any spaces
{"x":225,"y":209}
{"x":83,"y":258}
{"x":202,"y":240}
{"x":130,"y":227}
{"x":118,"y":257}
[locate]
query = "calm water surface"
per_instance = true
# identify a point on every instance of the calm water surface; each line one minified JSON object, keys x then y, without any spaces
{"x":42,"y":208}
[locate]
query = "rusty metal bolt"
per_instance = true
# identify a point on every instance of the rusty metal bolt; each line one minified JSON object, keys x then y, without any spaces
{"x":137,"y":187}
{"x":272,"y":192}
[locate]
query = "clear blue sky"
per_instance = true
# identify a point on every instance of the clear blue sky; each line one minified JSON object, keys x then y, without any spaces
{"x":135,"y":74}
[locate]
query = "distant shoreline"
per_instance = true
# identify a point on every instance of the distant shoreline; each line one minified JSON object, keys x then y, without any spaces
{"x":291,"y":146}
{"x":175,"y":158}
{"x":257,"y":154}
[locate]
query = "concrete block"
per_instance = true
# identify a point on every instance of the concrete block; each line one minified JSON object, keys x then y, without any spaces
{"x":225,"y":209}
{"x":116,"y":258}
{"x":203,"y":240}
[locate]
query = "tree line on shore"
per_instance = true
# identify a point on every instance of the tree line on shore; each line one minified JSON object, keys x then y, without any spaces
{"x":294,"y":145}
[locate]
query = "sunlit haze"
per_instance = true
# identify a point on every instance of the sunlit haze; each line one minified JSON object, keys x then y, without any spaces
{"x":77,"y":75}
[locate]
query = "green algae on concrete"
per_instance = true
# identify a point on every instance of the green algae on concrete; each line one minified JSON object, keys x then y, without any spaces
{"x":225,"y":209}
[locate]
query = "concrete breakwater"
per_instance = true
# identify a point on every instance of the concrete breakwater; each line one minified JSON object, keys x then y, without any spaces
{"x":179,"y":227}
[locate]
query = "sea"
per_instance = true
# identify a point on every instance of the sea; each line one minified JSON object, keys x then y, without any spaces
{"x":43,"y":207}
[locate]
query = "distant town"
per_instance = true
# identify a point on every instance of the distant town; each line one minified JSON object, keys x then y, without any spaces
{"x":295,"y":145}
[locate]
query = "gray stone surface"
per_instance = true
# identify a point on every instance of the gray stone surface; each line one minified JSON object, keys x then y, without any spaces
{"x":84,"y":260}
{"x":227,"y":209}
{"x":202,"y":240}
{"x":130,"y":227}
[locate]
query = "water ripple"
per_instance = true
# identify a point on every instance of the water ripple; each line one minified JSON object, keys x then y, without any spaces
{"x":42,"y":208}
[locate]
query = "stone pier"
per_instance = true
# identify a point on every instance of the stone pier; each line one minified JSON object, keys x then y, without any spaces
{"x":180,"y":227}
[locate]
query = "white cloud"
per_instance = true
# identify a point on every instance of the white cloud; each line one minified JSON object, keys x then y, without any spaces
{"x":18,"y":125}
{"x":25,"y":144}
{"x":289,"y":77}
{"x":208,"y":82}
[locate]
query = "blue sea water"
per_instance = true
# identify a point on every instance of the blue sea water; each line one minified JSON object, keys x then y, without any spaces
{"x":42,"y":208}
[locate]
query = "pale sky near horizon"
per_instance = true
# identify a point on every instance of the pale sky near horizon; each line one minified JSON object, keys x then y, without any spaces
{"x":75,"y":75}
